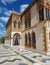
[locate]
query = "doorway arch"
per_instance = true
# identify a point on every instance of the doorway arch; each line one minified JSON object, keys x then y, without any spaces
{"x":16,"y":39}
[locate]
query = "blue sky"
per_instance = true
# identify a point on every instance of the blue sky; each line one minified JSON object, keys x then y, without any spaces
{"x":6,"y":7}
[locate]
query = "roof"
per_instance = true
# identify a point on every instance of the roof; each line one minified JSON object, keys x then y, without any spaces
{"x":33,"y":2}
{"x":14,"y":12}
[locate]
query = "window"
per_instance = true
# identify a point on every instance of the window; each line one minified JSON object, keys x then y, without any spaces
{"x":15,"y":23}
{"x":25,"y":38}
{"x":28,"y":23}
{"x":41,"y":15}
{"x":33,"y":38}
{"x":29,"y":38}
{"x":19,"y":24}
{"x":47,"y":14}
{"x":29,"y":20}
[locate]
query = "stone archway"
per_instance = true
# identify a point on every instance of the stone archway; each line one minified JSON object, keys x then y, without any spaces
{"x":16,"y":39}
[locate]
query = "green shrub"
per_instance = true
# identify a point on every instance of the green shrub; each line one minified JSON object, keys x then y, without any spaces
{"x":2,"y":39}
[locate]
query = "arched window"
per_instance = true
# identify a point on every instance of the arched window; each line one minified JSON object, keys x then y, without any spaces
{"x":25,"y":23}
{"x":19,"y":24}
{"x":29,"y":20}
{"x":28,"y":23}
{"x":41,"y":15}
{"x":29,"y":38}
{"x":33,"y":38}
{"x":14,"y":25}
{"x":26,"y":38}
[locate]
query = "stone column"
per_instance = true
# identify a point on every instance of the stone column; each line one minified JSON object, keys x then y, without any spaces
{"x":47,"y":37}
{"x":21,"y":47}
{"x":11,"y":42}
{"x":44,"y":14}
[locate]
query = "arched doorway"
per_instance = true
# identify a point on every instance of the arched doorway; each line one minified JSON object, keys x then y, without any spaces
{"x":29,"y":40}
{"x":16,"y":39}
{"x":33,"y":40}
{"x":25,"y":39}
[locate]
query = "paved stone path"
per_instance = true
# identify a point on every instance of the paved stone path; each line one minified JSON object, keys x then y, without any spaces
{"x":33,"y":56}
{"x":13,"y":56}
{"x":8,"y":57}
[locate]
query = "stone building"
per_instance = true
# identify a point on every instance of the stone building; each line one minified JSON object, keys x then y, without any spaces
{"x":31,"y":28}
{"x":13,"y":29}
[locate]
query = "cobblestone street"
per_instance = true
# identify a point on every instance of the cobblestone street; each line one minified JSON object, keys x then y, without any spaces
{"x":13,"y":56}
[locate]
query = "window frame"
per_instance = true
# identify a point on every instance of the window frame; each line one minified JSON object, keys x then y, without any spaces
{"x":14,"y":24}
{"x":19,"y":24}
{"x":47,"y":13}
{"x":41,"y":14}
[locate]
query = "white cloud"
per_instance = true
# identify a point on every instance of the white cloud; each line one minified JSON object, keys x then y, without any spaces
{"x":23,"y":7}
{"x":3,"y":2}
{"x":0,"y":10}
{"x":7,"y":13}
{"x":7,"y":1}
{"x":5,"y":19}
{"x":1,"y":25}
{"x":2,"y":32}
